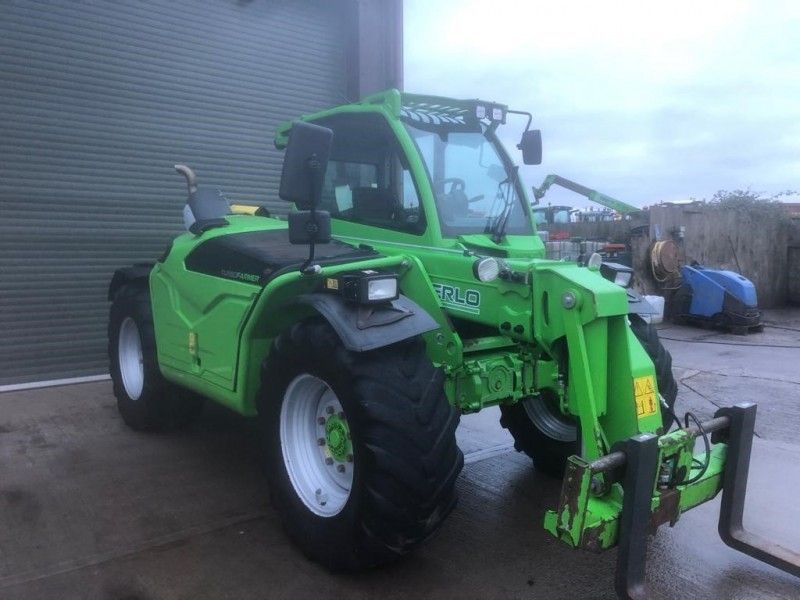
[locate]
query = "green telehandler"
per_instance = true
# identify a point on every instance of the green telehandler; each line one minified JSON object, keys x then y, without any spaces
{"x":408,"y":286}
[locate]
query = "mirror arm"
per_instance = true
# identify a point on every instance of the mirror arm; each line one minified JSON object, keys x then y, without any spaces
{"x":522,"y":112}
{"x":314,"y":168}
{"x":306,"y":267}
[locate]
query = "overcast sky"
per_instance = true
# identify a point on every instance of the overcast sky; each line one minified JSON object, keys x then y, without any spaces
{"x":645,"y":101}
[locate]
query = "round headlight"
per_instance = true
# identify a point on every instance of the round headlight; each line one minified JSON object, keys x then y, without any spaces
{"x":594,"y":262}
{"x":486,"y":269}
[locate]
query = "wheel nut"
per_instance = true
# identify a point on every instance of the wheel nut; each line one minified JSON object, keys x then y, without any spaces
{"x":349,"y":458}
{"x":341,"y":415}
{"x":329,"y":410}
{"x":321,"y":441}
{"x":321,"y":420}
{"x":329,"y":461}
{"x":340,"y":468}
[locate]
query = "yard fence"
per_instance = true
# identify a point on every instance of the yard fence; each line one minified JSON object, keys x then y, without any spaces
{"x":763,"y":245}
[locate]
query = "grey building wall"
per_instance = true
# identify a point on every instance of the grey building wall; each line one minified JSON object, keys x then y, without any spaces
{"x":100,"y":99}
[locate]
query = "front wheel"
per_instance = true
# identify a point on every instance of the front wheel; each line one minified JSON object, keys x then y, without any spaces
{"x":549,"y":437}
{"x":360,"y":448}
{"x":542,"y":431}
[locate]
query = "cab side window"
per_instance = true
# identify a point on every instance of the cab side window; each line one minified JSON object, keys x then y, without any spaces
{"x":367,"y":180}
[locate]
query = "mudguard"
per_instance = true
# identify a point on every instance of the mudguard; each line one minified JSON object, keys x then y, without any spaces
{"x":127,"y":275}
{"x":367,"y":327}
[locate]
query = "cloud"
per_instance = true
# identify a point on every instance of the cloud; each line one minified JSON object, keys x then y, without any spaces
{"x":643,"y":101}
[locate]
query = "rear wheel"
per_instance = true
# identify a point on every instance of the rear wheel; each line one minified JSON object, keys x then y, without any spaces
{"x":360,"y":448}
{"x":549,"y":437}
{"x":145,"y":399}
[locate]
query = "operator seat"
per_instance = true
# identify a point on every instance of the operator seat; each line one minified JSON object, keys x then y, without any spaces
{"x":205,"y":205}
{"x":373,"y":205}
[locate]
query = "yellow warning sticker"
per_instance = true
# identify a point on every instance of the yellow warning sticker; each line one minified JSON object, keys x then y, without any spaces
{"x":644,"y":392}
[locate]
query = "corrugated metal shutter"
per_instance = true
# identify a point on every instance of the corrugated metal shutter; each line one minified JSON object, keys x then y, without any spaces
{"x":99,"y":100}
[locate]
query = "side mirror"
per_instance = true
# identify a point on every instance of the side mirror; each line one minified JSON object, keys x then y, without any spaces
{"x":304,"y":164}
{"x":531,"y":146}
{"x":306,"y":227}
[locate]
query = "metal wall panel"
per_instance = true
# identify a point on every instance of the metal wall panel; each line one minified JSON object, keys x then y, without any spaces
{"x":97,"y":101}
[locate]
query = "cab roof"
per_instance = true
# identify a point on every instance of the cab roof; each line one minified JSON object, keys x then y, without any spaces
{"x":418,"y":109}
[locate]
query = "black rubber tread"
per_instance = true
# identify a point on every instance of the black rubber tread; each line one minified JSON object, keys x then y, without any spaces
{"x":679,"y":304}
{"x":550,"y":456}
{"x":403,"y":432}
{"x":647,"y":334}
{"x":162,"y":405}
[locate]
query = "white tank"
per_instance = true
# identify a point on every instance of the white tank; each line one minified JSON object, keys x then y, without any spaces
{"x":657,"y":302}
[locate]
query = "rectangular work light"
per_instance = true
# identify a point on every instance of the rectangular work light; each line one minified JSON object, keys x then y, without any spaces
{"x":622,"y":275}
{"x":493,"y":112}
{"x":365,"y":287}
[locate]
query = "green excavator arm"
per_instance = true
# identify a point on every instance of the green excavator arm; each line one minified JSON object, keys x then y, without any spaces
{"x":593,"y":195}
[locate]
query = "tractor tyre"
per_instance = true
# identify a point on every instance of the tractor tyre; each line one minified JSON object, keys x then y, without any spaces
{"x":542,"y":431}
{"x":647,"y":334}
{"x":360,"y":450}
{"x":680,"y":305}
{"x":549,"y":437}
{"x":146,"y":401}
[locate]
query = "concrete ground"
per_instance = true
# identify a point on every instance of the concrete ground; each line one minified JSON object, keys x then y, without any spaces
{"x":90,"y":509}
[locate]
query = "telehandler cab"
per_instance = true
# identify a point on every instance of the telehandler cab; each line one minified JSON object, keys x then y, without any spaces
{"x":407,"y":288}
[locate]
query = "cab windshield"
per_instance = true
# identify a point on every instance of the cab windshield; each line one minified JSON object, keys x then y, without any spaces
{"x":474,"y":189}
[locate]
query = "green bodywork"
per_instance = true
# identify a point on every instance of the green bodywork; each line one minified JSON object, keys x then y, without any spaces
{"x":553,"y":326}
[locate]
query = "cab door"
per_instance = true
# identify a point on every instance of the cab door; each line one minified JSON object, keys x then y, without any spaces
{"x":369,"y":187}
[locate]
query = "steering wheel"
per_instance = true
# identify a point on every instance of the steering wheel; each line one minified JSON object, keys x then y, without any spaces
{"x":456,"y":185}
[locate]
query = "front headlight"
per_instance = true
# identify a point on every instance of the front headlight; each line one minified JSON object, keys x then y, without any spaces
{"x":594,"y":262}
{"x":486,"y":269}
{"x":365,"y":287}
{"x":381,"y":289}
{"x":622,"y":275}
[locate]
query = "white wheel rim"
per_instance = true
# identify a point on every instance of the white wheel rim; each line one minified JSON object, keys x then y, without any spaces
{"x":129,"y":354}
{"x":320,"y":479}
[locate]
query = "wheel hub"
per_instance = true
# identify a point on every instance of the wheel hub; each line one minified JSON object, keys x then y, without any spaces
{"x":337,"y":437}
{"x":316,"y":445}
